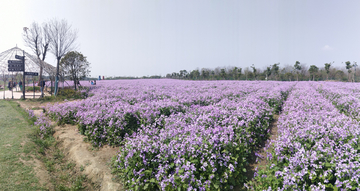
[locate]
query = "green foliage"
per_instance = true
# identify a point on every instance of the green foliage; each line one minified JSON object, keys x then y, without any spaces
{"x":266,"y":178}
{"x":273,"y":72}
{"x":32,"y":120}
{"x":348,"y":65}
{"x":327,"y":67}
{"x":129,"y":123}
{"x":297,"y":66}
{"x":31,"y":88}
{"x":276,"y":104}
{"x":66,"y":94}
{"x":78,"y":183}
{"x":71,"y":93}
{"x":240,"y":153}
{"x":75,"y":66}
{"x":313,"y":70}
{"x":235,"y":176}
{"x":275,"y":69}
{"x":42,"y":144}
{"x":268,"y":71}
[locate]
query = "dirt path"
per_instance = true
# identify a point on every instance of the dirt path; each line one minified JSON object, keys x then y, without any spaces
{"x":94,"y":161}
{"x":263,"y":162}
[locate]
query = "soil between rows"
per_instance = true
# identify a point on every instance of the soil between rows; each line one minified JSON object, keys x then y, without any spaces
{"x":262,"y":162}
{"x":95,"y":162}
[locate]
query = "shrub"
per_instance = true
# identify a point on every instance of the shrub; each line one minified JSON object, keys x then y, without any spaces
{"x":31,"y":88}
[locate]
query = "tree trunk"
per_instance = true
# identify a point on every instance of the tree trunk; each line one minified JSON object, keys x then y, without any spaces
{"x":75,"y":82}
{"x":57,"y":77}
{"x":40,"y":77}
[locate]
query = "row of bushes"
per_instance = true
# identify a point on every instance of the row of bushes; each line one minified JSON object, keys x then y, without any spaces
{"x":156,"y":132}
{"x":316,"y":149}
{"x":204,"y":148}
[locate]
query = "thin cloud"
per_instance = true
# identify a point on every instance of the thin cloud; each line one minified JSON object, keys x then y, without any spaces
{"x":327,"y":48}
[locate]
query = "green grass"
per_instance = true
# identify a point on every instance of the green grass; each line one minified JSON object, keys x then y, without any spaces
{"x":14,"y":129}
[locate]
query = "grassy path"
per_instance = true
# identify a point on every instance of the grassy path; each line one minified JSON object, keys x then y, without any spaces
{"x":14,"y":128}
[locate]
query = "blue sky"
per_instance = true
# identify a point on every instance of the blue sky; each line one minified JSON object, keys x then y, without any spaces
{"x":137,"y":38}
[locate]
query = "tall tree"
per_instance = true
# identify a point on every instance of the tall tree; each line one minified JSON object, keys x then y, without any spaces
{"x":195,"y":74}
{"x":223,"y":73}
{"x":62,"y":41}
{"x":239,"y":73}
{"x":313,"y":70}
{"x":234,"y":73}
{"x":205,"y":73}
{"x":268,"y":72}
{"x":327,"y":68}
{"x":348,"y":67}
{"x":297,"y":68}
{"x":212,"y":74}
{"x":183,"y":73}
{"x":174,"y":75}
{"x":254,"y":71}
{"x":275,"y":69}
{"x":37,"y":38}
{"x":75,"y":66}
{"x":288,"y":75}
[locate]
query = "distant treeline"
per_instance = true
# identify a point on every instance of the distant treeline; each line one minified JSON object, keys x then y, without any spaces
{"x":299,"y":72}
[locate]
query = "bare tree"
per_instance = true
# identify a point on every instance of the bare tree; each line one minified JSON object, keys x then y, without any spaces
{"x":62,"y":41}
{"x":37,"y":38}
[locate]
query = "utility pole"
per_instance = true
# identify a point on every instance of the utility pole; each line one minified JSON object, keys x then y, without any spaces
{"x":23,"y":85}
{"x":12,"y":85}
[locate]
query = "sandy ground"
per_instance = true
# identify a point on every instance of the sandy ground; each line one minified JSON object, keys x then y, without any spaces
{"x":17,"y":94}
{"x":95,"y":161}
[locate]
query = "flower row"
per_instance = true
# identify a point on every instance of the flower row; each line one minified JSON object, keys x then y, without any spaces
{"x":116,"y":111}
{"x":205,"y":148}
{"x":317,"y":146}
{"x":178,"y":134}
{"x":345,"y":96}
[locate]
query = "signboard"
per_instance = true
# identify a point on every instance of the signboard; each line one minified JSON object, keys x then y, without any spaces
{"x":16,"y":69}
{"x":15,"y":65}
{"x":31,"y":73}
{"x":15,"y":62}
{"x":19,"y":57}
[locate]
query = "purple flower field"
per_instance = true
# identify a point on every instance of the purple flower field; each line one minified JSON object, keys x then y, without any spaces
{"x":317,"y":146}
{"x":199,"y":135}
